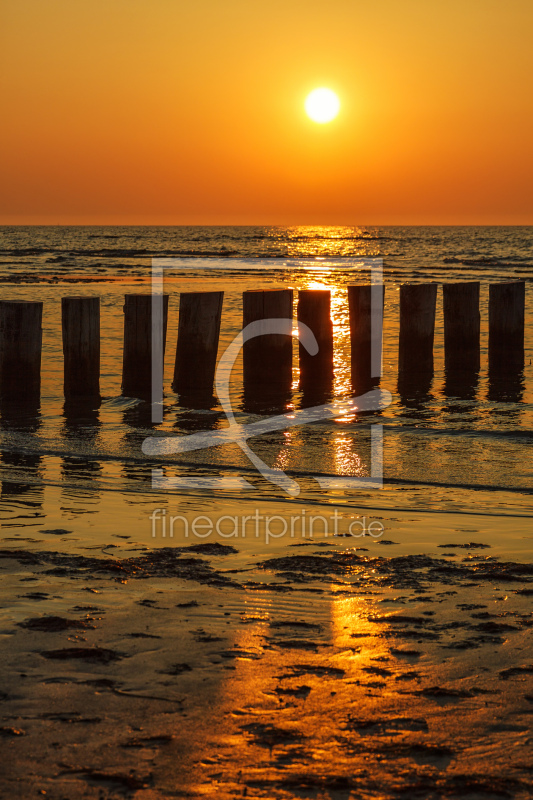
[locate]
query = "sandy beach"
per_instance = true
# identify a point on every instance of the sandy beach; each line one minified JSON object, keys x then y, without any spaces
{"x":335,"y":667}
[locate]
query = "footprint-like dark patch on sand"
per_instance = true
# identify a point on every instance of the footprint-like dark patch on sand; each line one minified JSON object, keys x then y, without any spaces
{"x":94,"y":655}
{"x":268,"y":587}
{"x":53,"y":624}
{"x":391,"y":726}
{"x":298,"y":691}
{"x":112,"y":780}
{"x":400,"y":619}
{"x":210,"y":549}
{"x":35,"y":596}
{"x":247,"y":655}
{"x":267,"y":735}
{"x":55,"y":531}
{"x":380,"y":671}
{"x":468,"y":546}
{"x":443,"y":693}
{"x":205,"y":637}
{"x":405,"y":652}
{"x":295,"y":624}
{"x":296,"y":644}
{"x":7,"y":732}
{"x":412,"y":675}
{"x":494,"y":627}
{"x":511,"y":672}
{"x":298,"y":670}
{"x":102,"y":683}
{"x":149,"y":741}
{"x":176,"y":669}
{"x":71,"y":717}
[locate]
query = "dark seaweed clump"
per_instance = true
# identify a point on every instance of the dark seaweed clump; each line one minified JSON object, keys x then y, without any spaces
{"x":167,"y":562}
{"x":417,"y":572}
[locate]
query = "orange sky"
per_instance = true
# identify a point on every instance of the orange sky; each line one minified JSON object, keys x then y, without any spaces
{"x":191,"y":112}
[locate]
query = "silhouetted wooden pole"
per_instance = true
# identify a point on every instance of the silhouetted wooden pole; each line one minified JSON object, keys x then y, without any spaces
{"x":314,"y":310}
{"x":506,"y":326}
{"x":137,"y":362}
{"x":198,"y":333}
{"x":20,"y":349}
{"x":461,"y":326}
{"x":267,"y":359}
{"x":80,"y":318}
{"x":417,"y":327}
{"x":366,"y":334}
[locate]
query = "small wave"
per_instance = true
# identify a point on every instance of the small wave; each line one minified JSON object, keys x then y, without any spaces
{"x":121,"y":403}
{"x":485,"y":261}
{"x":26,"y":251}
{"x":471,"y":433}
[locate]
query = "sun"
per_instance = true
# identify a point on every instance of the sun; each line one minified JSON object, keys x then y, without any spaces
{"x":322,"y":105}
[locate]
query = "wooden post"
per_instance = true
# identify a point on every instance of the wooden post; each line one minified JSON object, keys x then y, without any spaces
{"x":80,"y":317}
{"x":461,"y":326}
{"x":20,"y":349}
{"x":366,"y":334}
{"x":137,"y":357}
{"x":506,"y":326}
{"x":314,"y":310}
{"x":196,"y":350}
{"x":267,"y":359}
{"x":417,"y":327}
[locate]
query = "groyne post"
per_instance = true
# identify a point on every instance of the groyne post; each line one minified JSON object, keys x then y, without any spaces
{"x":314,"y":310}
{"x":366,"y":334}
{"x":267,"y":359}
{"x":20,"y":349}
{"x":80,"y":321}
{"x":417,"y":328}
{"x":137,"y":361}
{"x":506,"y":327}
{"x":198,"y":333}
{"x":460,"y":303}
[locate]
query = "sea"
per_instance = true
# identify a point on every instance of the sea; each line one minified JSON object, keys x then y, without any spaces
{"x":444,"y":448}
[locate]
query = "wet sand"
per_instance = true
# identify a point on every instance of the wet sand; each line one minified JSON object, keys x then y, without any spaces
{"x":334,"y":668}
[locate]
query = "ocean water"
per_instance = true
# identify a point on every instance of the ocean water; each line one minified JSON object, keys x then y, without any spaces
{"x":445,"y":447}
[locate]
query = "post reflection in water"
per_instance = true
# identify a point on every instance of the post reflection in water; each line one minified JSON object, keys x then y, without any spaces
{"x":21,"y":487}
{"x":336,"y":382}
{"x":138,"y":418}
{"x":204,"y":400}
{"x":415,"y":390}
{"x":81,"y":425}
{"x":137,"y":422}
{"x":265,"y":400}
{"x":81,"y":419}
{"x":462,"y":385}
{"x":506,"y":388}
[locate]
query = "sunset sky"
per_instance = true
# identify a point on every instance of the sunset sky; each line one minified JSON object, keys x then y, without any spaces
{"x":180,"y":112}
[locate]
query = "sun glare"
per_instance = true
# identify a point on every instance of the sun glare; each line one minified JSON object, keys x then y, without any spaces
{"x":322,"y":105}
